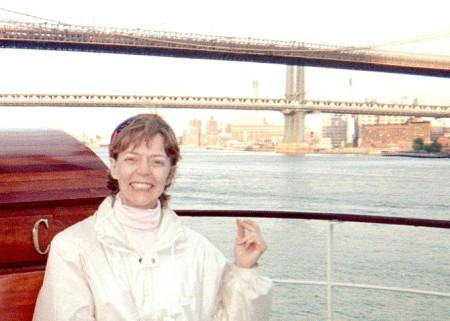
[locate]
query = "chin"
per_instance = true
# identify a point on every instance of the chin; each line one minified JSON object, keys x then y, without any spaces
{"x":146,"y":205}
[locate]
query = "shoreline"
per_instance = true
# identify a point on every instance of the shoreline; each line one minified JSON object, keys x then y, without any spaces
{"x":416,"y":154}
{"x":335,"y":151}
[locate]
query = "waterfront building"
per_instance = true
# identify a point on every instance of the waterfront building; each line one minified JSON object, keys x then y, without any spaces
{"x":395,"y":136}
{"x":256,"y":130}
{"x":444,"y":141}
{"x":439,"y":128}
{"x":363,"y":120}
{"x":381,"y":119}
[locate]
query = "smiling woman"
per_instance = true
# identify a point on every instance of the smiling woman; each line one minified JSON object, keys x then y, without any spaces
{"x":134,"y":259}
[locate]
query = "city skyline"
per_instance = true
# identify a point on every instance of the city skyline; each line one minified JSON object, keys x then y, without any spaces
{"x":335,"y":131}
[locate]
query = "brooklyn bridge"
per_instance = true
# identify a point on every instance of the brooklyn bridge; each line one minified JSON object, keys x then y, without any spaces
{"x":295,"y":55}
{"x":61,"y":36}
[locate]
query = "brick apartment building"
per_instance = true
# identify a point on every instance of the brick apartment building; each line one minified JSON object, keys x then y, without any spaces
{"x":395,"y":136}
{"x":444,"y":141}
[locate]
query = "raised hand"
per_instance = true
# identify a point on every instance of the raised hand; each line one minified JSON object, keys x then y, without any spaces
{"x":249,"y":245}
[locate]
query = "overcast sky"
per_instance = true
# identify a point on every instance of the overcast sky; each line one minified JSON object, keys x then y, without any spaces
{"x":416,"y":25}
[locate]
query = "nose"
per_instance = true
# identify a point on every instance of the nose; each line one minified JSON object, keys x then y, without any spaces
{"x":144,"y":167}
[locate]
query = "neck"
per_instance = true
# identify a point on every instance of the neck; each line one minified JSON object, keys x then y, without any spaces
{"x":136,"y":218}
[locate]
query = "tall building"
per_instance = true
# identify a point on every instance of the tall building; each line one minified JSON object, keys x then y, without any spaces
{"x":212,"y":127}
{"x":192,"y":135}
{"x":334,"y":131}
{"x":216,"y":136}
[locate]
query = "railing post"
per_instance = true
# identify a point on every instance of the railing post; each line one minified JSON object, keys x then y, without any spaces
{"x":330,"y":250}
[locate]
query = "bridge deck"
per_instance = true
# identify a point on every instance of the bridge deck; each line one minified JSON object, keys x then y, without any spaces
{"x":273,"y":104}
{"x":15,"y":34}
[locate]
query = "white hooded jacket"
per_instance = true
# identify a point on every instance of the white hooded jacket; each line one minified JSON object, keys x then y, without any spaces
{"x":92,"y":275}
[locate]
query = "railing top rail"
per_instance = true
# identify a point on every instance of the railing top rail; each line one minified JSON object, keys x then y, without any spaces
{"x":340,"y":217}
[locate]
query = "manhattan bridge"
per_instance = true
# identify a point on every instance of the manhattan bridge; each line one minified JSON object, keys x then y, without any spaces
{"x":65,"y":37}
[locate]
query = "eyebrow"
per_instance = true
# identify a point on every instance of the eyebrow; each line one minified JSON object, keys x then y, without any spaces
{"x":152,"y":155}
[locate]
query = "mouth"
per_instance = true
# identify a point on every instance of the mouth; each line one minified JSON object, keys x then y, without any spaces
{"x":141,"y":186}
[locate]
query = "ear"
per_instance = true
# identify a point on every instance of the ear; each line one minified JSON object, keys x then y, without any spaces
{"x":113,"y":167}
{"x":171,"y":175}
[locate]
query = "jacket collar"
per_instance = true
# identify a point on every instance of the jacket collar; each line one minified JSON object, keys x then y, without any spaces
{"x":110,"y":232}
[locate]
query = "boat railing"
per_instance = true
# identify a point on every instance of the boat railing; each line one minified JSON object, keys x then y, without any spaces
{"x":332,"y":220}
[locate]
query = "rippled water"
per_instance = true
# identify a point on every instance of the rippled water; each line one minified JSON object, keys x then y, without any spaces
{"x":373,"y":254}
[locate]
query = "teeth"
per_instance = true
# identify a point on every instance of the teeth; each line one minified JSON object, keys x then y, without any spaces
{"x":141,"y":186}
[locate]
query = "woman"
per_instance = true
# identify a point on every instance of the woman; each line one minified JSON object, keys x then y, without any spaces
{"x":134,"y":260}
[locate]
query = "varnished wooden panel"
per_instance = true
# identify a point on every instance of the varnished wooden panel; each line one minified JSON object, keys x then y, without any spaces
{"x":18,"y":293}
{"x":16,"y":232}
{"x":17,"y":241}
{"x":44,"y":165}
{"x":44,"y":174}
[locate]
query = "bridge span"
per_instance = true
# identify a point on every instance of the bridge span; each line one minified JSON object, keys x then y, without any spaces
{"x":270,"y":104}
{"x":47,"y":36}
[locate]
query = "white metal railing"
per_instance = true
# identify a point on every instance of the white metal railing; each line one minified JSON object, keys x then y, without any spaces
{"x":333,"y":220}
{"x":330,"y":284}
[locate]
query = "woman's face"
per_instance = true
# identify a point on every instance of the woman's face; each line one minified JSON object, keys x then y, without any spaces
{"x":143,"y":172}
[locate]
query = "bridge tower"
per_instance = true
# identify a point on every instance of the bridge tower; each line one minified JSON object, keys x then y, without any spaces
{"x":294,"y":121}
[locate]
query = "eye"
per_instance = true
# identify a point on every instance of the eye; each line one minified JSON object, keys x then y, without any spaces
{"x":159,"y":162}
{"x":130,"y":159}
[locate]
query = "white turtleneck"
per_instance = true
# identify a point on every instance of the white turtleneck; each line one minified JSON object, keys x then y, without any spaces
{"x":140,"y":225}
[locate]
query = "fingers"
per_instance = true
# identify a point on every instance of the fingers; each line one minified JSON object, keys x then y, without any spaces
{"x":248,"y":234}
{"x":247,"y":225}
{"x":240,"y":230}
{"x":249,"y":243}
{"x":245,"y":228}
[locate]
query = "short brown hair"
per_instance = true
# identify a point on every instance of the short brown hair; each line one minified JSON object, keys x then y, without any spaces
{"x":139,"y":129}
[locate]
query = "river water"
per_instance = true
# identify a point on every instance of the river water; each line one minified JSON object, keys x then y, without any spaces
{"x":405,"y":257}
